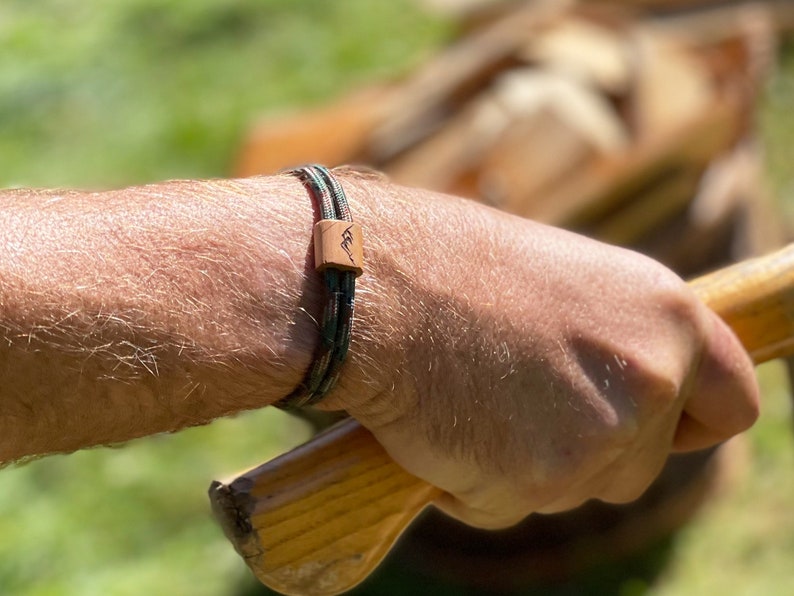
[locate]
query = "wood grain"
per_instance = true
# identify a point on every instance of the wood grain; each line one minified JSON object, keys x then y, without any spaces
{"x":319,"y":519}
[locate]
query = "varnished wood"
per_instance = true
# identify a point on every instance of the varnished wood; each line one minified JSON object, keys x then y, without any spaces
{"x":317,"y":520}
{"x":756,"y":299}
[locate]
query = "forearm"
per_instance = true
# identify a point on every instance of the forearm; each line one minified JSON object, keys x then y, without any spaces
{"x":152,"y":308}
{"x":148,"y":309}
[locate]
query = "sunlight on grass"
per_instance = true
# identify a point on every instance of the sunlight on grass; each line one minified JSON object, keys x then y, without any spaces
{"x":96,"y":94}
{"x":137,"y":516}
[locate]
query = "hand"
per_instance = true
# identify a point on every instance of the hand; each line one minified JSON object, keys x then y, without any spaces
{"x":523,"y":368}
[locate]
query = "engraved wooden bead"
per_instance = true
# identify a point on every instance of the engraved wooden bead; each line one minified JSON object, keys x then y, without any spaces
{"x":338,"y":244}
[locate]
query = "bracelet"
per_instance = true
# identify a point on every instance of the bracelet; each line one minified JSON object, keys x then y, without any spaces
{"x":338,"y":257}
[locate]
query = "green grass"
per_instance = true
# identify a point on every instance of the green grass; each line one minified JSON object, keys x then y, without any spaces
{"x":97,"y":93}
{"x":130,"y":520}
{"x":101,"y":94}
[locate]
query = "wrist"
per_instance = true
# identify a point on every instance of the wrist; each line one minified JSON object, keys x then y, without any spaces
{"x":384,"y":316}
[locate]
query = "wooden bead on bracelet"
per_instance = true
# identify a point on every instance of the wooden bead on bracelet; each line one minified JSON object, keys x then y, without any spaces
{"x":338,"y":244}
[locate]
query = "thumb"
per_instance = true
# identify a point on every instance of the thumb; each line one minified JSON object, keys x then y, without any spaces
{"x":724,"y":399}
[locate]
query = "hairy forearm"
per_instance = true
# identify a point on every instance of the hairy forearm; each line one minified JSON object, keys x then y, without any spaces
{"x":148,"y":309}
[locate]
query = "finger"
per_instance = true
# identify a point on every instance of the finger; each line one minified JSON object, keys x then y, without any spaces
{"x":724,"y":398}
{"x":497,"y":518}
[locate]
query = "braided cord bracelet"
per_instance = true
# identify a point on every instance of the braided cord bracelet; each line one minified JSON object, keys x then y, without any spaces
{"x":338,"y":256}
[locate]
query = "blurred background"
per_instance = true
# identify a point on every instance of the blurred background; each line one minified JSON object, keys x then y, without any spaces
{"x":99,"y":95}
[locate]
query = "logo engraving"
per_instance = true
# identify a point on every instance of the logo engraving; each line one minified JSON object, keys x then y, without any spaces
{"x":347,"y":243}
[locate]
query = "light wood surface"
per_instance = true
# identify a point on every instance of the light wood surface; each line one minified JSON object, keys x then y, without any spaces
{"x":317,"y":520}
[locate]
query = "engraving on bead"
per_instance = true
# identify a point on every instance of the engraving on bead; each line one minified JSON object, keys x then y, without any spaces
{"x":347,"y":243}
{"x":338,"y":244}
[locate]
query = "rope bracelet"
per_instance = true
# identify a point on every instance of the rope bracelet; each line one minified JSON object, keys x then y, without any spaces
{"x":338,"y":257}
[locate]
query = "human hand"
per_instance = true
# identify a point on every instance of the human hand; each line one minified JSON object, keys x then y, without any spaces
{"x":522,"y":368}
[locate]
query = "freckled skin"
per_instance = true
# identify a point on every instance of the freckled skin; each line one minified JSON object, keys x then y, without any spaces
{"x":518,"y":367}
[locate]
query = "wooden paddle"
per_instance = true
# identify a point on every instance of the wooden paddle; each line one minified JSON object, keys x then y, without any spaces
{"x":319,"y":519}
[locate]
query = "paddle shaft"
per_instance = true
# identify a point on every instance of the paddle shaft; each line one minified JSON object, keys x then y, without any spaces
{"x":318,"y":520}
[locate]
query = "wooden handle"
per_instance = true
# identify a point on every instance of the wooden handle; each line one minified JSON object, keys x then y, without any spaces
{"x":756,"y":299}
{"x":317,"y":520}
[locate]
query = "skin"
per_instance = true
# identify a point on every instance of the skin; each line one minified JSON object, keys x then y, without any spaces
{"x":518,"y":367}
